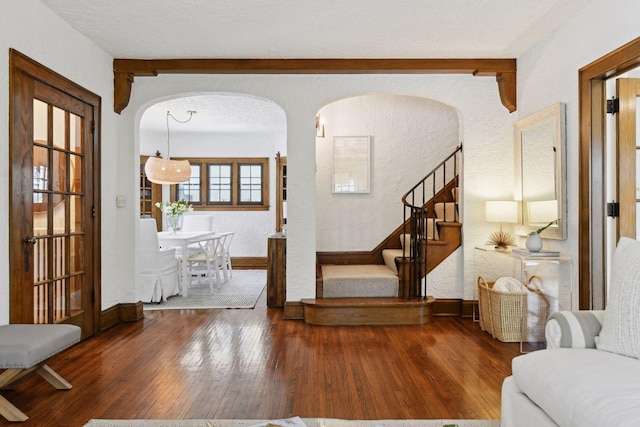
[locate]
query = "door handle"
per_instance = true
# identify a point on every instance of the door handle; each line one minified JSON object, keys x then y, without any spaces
{"x":27,"y":253}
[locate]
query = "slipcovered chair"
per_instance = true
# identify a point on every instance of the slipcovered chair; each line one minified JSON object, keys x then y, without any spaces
{"x":158,"y":267}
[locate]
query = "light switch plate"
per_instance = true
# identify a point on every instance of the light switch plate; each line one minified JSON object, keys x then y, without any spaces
{"x":121,"y":201}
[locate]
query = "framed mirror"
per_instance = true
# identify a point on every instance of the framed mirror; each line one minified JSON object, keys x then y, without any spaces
{"x":540,"y":172}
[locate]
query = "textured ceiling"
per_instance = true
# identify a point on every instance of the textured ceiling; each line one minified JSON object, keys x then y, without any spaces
{"x":310,"y":29}
{"x":315,"y":29}
{"x":216,"y":112}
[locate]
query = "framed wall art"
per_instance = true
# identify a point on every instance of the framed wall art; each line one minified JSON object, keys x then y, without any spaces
{"x":351,"y":164}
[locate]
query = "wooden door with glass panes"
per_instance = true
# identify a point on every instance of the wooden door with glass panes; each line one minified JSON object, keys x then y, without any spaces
{"x":54,"y":233}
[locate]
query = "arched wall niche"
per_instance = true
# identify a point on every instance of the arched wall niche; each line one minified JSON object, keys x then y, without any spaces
{"x":409,"y":136}
{"x":225,"y":125}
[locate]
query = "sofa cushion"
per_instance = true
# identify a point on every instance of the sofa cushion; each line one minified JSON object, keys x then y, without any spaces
{"x":621,"y":327}
{"x":581,"y":387}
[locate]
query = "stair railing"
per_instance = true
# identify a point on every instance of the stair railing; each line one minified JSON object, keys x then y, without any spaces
{"x":419,"y":205}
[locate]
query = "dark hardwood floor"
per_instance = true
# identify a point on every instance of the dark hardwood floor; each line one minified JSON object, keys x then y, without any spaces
{"x":178,"y":364}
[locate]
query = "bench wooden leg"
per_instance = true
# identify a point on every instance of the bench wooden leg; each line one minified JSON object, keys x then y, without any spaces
{"x":11,"y":377}
{"x":53,"y":377}
{"x":10,"y":412}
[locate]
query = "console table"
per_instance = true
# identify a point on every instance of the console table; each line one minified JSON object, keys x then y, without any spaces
{"x":555,"y":276}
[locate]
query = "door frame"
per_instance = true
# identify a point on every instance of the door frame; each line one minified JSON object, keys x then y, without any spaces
{"x":591,"y":167}
{"x":19,"y":64}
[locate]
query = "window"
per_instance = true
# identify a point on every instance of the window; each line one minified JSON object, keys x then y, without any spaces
{"x":219,"y":183}
{"x":250,"y":177}
{"x":226,"y":184}
{"x":190,"y":190}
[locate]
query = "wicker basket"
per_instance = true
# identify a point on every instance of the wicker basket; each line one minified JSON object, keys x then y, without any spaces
{"x":504,"y":314}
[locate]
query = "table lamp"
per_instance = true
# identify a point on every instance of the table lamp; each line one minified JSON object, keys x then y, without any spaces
{"x":501,"y":211}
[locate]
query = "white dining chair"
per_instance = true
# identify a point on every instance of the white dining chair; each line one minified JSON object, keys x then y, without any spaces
{"x":207,"y":262}
{"x":158,"y":267}
{"x":226,"y":255}
{"x":195,"y":222}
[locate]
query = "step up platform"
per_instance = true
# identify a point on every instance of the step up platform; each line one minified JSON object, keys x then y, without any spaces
{"x":367,"y":311}
{"x":356,"y":281}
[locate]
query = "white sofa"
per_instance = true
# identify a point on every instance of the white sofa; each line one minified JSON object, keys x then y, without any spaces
{"x":589,"y":375}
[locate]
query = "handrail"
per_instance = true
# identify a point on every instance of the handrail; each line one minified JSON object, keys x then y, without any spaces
{"x":419,"y":205}
{"x":442,"y":163}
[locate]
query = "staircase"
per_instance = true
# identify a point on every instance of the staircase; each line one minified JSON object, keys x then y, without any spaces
{"x":387,"y":286}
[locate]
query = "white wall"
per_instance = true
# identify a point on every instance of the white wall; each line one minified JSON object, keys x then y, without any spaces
{"x":484,"y":123}
{"x":548,"y":73}
{"x":32,"y":29}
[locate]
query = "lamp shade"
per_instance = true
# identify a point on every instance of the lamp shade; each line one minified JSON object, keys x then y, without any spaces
{"x":167,"y":171}
{"x":542,"y":212}
{"x":501,"y":211}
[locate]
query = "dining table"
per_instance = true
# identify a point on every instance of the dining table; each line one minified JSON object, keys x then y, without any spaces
{"x":182,"y":240}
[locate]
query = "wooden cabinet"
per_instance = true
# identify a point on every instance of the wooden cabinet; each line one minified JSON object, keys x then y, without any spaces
{"x":281,"y":191}
{"x":150,"y":193}
{"x":276,"y":270}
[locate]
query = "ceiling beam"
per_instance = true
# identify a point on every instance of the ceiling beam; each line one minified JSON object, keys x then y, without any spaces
{"x":125,"y":70}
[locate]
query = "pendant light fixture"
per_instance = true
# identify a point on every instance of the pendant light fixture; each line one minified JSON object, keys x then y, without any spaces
{"x":164,"y":170}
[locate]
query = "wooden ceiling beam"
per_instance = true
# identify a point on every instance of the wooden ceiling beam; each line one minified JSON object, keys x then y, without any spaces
{"x":125,"y":70}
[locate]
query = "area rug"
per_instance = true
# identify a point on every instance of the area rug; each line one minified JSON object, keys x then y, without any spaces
{"x":308,"y":422}
{"x":241,"y":291}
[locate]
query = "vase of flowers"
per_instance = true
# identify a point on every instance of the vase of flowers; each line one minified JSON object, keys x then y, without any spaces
{"x":174,"y":212}
{"x":534,"y":242}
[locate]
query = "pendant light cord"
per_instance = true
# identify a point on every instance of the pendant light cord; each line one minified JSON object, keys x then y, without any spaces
{"x":191,"y":113}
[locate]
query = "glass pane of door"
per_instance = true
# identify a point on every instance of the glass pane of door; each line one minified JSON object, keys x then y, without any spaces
{"x":57,"y":215}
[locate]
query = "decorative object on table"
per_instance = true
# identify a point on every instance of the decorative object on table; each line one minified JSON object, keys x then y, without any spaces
{"x":534,"y":242}
{"x":164,"y":170}
{"x":536,"y":254}
{"x":501,"y":211}
{"x":174,"y":212}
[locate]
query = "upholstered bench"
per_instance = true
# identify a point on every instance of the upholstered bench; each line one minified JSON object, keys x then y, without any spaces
{"x":24,"y":350}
